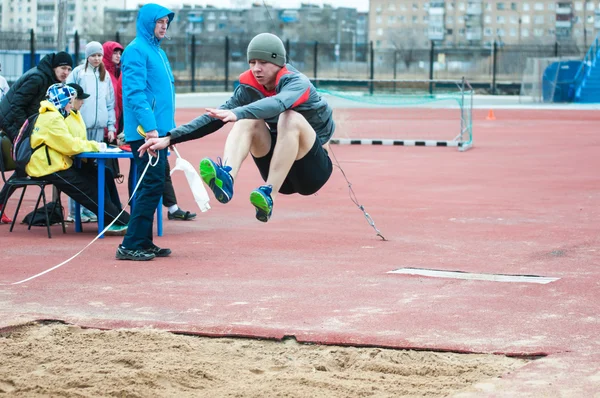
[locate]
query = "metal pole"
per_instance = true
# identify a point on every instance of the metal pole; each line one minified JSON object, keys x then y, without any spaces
{"x":61,"y":39}
{"x":193,"y":52}
{"x":315,"y":62}
{"x":32,"y":62}
{"x":76,"y":45}
{"x":118,"y":37}
{"x":431,"y":55}
{"x":226,"y":62}
{"x":287,"y":51}
{"x":494,"y":59}
{"x":372,"y":74}
{"x":556,"y":49}
{"x":395,"y":68}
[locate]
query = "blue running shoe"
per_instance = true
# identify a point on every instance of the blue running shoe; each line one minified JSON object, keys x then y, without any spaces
{"x":262,"y":201}
{"x":217,"y":177}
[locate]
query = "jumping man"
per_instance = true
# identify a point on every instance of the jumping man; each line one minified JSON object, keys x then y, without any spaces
{"x":280,"y":120}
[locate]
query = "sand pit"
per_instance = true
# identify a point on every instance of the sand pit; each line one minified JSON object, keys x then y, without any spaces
{"x":68,"y":361}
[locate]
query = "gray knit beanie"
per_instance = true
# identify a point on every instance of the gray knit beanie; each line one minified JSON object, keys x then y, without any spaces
{"x":93,"y":47}
{"x":267,"y":47}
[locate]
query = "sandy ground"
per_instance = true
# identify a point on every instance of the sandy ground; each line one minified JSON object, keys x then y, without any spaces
{"x":68,"y":361}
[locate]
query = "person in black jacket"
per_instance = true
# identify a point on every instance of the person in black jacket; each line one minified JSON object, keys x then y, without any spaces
{"x":24,"y":96}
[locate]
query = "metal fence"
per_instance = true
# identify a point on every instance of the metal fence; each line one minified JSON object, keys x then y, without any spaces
{"x":216,"y":64}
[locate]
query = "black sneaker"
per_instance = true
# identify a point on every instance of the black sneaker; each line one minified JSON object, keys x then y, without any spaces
{"x":134,"y":255}
{"x":158,"y":252}
{"x":181,"y":215}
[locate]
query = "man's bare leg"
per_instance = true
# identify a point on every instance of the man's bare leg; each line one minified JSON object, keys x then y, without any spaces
{"x":295,"y":138}
{"x":246,"y":136}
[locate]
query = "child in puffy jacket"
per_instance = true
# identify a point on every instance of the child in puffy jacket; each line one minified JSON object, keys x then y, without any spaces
{"x":53,"y":161}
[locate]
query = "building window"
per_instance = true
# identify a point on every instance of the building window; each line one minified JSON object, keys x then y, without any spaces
{"x":415,"y":7}
{"x":578,"y":6}
{"x":525,"y":32}
{"x":538,"y":32}
{"x":513,"y":6}
{"x":500,"y":32}
{"x":392,"y":7}
{"x":513,"y":20}
{"x":449,"y":20}
{"x":500,"y":6}
{"x":500,"y":19}
{"x":525,"y":6}
{"x":379,"y":32}
{"x":378,"y":19}
{"x":538,"y":6}
{"x":487,"y":19}
{"x":538,"y":19}
{"x":391,"y":20}
{"x":414,"y":19}
{"x":526,"y":19}
{"x":513,"y":32}
{"x":487,"y":32}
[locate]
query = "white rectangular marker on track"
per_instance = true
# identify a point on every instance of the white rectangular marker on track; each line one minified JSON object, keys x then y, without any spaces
{"x":474,"y":276}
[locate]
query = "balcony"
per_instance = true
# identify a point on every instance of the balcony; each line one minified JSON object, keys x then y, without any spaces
{"x":473,"y":34}
{"x":435,"y":34}
{"x":564,"y":24}
{"x":437,"y":10}
{"x":474,"y":9}
{"x":564,"y":10}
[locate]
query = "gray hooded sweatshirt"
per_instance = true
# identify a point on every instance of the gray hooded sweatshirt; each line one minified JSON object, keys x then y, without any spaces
{"x":251,"y":100}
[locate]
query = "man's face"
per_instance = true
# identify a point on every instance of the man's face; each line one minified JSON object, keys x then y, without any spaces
{"x":62,"y":72}
{"x":77,"y":103}
{"x":264,"y":72}
{"x":116,"y":57}
{"x":160,"y":29}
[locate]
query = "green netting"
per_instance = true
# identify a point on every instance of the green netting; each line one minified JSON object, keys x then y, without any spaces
{"x":401,"y":98}
{"x":410,"y":94}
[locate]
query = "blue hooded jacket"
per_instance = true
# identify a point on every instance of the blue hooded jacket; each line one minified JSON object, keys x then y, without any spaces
{"x":148,"y":82}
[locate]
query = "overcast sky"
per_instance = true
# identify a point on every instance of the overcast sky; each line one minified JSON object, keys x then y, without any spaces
{"x":360,"y":5}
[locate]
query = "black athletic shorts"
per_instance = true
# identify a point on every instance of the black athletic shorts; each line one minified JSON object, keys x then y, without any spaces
{"x":306,"y":176}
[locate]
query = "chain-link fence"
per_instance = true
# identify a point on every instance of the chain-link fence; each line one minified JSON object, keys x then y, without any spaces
{"x":216,"y":64}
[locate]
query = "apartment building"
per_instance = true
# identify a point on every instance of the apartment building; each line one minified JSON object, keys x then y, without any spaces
{"x":308,"y":23}
{"x":85,"y":16}
{"x":401,"y":23}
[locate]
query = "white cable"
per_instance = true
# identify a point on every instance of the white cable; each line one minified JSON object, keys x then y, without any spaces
{"x":97,"y":236}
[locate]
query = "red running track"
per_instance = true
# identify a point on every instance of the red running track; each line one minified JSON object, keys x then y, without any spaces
{"x":525,"y":200}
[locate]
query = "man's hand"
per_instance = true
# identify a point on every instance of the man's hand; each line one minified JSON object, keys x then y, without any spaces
{"x":154,"y":144}
{"x":111,"y":135}
{"x":223,"y":114}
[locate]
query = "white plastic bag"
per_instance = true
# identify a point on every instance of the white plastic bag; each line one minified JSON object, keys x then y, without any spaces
{"x":193,"y":179}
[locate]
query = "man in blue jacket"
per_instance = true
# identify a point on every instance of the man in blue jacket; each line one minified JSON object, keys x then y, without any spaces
{"x":148,"y":112}
{"x":280,"y":119}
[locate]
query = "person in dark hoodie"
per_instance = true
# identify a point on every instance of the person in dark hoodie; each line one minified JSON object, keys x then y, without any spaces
{"x":24,"y":97}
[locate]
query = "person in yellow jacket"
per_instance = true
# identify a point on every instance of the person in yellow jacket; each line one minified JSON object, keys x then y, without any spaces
{"x":53,"y":160}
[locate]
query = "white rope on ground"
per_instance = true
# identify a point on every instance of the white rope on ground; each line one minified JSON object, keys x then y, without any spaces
{"x":97,"y":236}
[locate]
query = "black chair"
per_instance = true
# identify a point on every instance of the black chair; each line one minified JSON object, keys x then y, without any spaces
{"x":15,"y":182}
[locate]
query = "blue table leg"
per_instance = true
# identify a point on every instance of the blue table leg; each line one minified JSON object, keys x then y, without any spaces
{"x":159,"y":220}
{"x":101,"y":167}
{"x":77,"y":205}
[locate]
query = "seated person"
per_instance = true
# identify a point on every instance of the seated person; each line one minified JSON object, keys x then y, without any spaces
{"x":77,"y":128}
{"x":53,"y":162}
